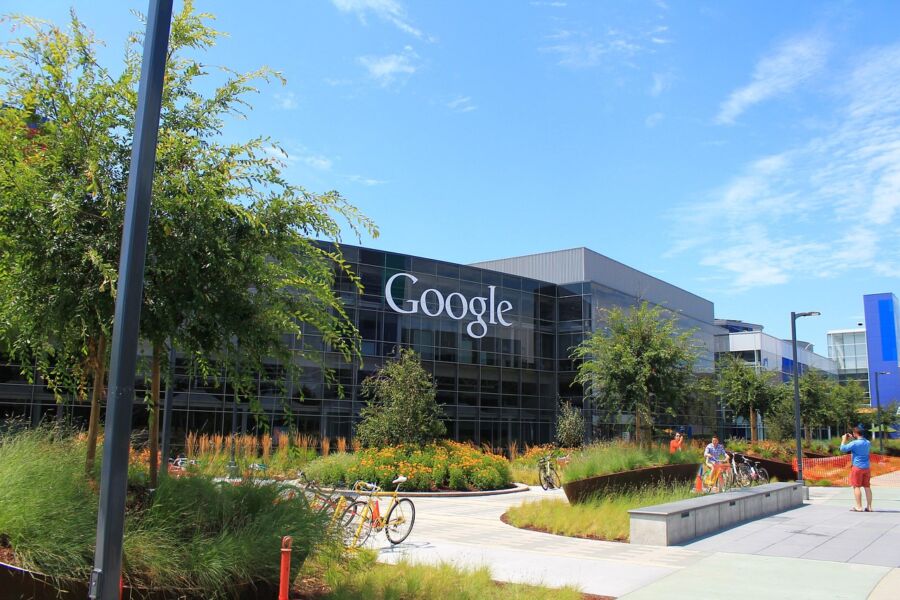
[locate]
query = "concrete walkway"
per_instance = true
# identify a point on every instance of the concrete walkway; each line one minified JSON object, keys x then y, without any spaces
{"x":820,"y":550}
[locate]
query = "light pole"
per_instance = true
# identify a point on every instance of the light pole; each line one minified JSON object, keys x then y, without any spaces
{"x":878,"y":408}
{"x":796,"y":369}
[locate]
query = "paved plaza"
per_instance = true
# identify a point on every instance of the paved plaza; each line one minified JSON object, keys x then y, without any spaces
{"x":820,"y":550}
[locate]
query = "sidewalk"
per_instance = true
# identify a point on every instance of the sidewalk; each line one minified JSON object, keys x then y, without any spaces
{"x":769,"y":558}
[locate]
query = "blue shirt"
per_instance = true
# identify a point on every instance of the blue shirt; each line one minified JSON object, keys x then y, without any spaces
{"x":859,"y":449}
{"x":714,"y":452}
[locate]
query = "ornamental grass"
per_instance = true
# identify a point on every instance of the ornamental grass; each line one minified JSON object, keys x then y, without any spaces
{"x":602,"y":517}
{"x":605,"y":458}
{"x":190,"y":534}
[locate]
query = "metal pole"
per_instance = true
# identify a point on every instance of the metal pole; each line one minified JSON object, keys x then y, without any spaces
{"x":880,"y":419}
{"x":104,"y":584}
{"x":797,"y":399}
{"x":167,"y":410}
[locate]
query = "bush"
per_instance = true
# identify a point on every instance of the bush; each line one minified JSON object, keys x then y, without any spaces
{"x":190,"y":534}
{"x":441,"y":465}
{"x":569,"y":426}
{"x":402,"y":409}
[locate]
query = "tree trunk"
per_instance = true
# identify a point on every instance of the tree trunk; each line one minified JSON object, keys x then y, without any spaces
{"x":753,"y":436}
{"x":154,"y":415}
{"x":98,"y":361}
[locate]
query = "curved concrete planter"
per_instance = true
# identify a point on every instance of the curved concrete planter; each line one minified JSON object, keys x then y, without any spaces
{"x":578,"y":491}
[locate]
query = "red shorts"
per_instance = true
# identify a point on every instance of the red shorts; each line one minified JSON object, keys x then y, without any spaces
{"x":859,"y":477}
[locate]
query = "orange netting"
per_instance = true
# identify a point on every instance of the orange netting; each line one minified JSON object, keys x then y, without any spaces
{"x":835,"y":470}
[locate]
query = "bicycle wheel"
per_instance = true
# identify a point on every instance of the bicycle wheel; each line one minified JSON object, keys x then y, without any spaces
{"x":356,"y":524}
{"x":400,"y":521}
{"x":762,"y":474}
{"x":744,"y":477}
{"x":542,"y":475}
{"x":554,"y":480}
{"x":722,"y":482}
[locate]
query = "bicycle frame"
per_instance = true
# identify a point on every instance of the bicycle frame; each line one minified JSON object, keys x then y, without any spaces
{"x":372,"y":512}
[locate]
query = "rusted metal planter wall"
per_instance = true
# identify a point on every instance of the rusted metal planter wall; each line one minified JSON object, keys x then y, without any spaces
{"x":578,"y":491}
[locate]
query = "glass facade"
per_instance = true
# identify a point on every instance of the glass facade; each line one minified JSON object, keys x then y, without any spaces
{"x":848,"y":350}
{"x":497,"y":345}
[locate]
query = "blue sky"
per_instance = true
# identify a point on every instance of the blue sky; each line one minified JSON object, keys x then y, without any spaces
{"x":746,"y":152}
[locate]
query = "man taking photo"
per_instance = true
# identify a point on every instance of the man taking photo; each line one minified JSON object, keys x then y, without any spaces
{"x":859,"y":471}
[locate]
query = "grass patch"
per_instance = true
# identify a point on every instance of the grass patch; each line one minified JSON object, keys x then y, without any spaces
{"x":362,"y":578}
{"x":615,"y":457}
{"x":602,"y":517}
{"x":190,"y":534}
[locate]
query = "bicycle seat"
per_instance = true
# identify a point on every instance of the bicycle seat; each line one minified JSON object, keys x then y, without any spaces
{"x":399,"y":479}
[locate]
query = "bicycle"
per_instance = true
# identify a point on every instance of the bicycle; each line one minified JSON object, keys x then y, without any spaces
{"x":751,"y":470}
{"x":363,"y":516}
{"x":715,"y":479}
{"x":321,"y":500}
{"x":736,"y":475}
{"x":547,"y":473}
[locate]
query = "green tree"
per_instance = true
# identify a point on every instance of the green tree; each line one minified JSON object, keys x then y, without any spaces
{"x":844,"y":407}
{"x":231,"y":266}
{"x":745,"y":390}
{"x":569,"y":426}
{"x":816,"y":394}
{"x":402,"y":407}
{"x":641,"y":362}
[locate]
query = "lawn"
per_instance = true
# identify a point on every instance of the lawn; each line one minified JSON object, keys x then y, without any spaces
{"x":603,"y":517}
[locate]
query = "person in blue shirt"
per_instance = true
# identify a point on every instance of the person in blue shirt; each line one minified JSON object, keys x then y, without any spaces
{"x":859,"y":471}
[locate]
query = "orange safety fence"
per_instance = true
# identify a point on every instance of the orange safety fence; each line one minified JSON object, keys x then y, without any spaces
{"x":835,"y":470}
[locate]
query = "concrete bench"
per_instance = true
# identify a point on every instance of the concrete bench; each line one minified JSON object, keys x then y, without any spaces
{"x":677,"y":522}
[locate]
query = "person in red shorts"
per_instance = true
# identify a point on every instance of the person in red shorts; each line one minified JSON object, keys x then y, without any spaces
{"x":859,"y":471}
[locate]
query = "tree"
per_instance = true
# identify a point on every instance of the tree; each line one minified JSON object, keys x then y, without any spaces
{"x":844,"y":406}
{"x":641,"y":362}
{"x":816,"y":392}
{"x":569,"y":426}
{"x":402,"y":407}
{"x":231,"y":266}
{"x":744,"y":389}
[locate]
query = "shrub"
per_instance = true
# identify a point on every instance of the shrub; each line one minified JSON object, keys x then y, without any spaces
{"x":190,"y":534}
{"x":569,"y":426}
{"x":402,"y":407}
{"x":435,"y":466}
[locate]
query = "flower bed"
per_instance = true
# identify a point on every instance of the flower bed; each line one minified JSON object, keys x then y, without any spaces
{"x":617,"y":457}
{"x":443,"y":465}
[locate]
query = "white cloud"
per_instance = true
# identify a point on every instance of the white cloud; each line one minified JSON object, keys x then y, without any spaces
{"x":461,"y":104}
{"x":580,"y":50}
{"x":301,"y":155}
{"x":654,"y":119}
{"x":551,"y":4}
{"x":387,"y":10}
{"x":387,"y":69}
{"x":286,"y":101}
{"x":825,"y":207}
{"x":367,"y":181}
{"x":661,"y":83}
{"x":790,"y":64}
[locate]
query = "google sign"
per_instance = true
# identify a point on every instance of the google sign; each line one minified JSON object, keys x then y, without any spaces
{"x":454,"y":305}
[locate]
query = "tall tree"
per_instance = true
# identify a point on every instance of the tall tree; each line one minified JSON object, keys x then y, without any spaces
{"x":231,"y":266}
{"x":816,"y":393}
{"x":744,"y":389}
{"x":640,"y":362}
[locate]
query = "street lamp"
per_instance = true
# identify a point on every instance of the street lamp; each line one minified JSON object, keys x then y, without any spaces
{"x":794,"y":317}
{"x":880,"y":417}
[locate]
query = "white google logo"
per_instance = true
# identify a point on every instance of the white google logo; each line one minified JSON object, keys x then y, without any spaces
{"x":455,"y":305}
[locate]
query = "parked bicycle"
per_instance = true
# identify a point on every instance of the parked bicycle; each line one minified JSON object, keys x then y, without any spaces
{"x":327,"y":501}
{"x":750,"y":471}
{"x":548,"y":474}
{"x":364,"y":516}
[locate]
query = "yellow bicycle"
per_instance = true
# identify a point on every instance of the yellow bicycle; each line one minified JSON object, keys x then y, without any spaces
{"x":363,"y":516}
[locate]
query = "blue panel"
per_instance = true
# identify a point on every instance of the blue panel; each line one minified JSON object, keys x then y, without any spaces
{"x":888,"y":330}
